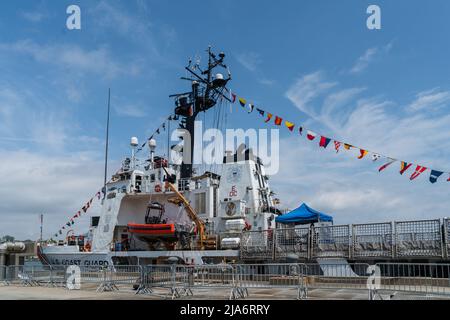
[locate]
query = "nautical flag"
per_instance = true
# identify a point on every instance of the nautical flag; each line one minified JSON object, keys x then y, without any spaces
{"x":375,"y":157}
{"x":84,"y":209}
{"x":269,"y":116}
{"x":404,"y":166}
{"x":242,"y":101}
{"x":289,"y":125}
{"x":448,"y":179}
{"x":261,"y":112}
{"x":311,"y":135}
{"x":278,"y":120}
{"x":384,"y":166}
{"x":337,"y":145}
{"x":300,"y":130}
{"x":60,"y":231}
{"x":362,"y":153}
{"x":233,"y":98}
{"x":72,"y":222}
{"x":157,"y":131}
{"x":98,"y":194}
{"x":164,"y":126}
{"x":434,"y":175}
{"x":347,"y":146}
{"x":64,"y":227}
{"x":419,"y":170}
{"x":90,"y":201}
{"x":169,"y":118}
{"x":68,"y":224}
{"x":324,"y":141}
{"x":251,"y":107}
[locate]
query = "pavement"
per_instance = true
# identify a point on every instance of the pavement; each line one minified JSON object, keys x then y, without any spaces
{"x":15,"y":292}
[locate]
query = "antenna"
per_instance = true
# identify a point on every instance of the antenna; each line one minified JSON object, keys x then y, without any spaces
{"x":207,"y":89}
{"x":107,"y":143}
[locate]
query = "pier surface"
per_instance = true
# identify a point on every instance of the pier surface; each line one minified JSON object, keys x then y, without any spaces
{"x":49,"y":293}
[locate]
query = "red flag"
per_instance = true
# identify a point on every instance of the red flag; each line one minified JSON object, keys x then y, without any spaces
{"x":311,"y":135}
{"x":417,"y":172}
{"x":337,"y":145}
{"x":448,"y":179}
{"x":384,"y":166}
{"x":278,"y":120}
{"x":233,"y":100}
{"x":324,"y":141}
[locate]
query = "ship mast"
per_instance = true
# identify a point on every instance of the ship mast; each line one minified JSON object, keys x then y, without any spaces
{"x":207,"y":89}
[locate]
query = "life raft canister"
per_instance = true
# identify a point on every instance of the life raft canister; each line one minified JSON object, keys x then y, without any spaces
{"x":158,"y":188}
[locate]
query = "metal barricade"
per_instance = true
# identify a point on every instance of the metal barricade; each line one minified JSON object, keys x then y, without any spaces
{"x":58,"y":276}
{"x":418,"y":238}
{"x":20,"y":275}
{"x":331,"y":242}
{"x":292,"y":241}
{"x":161,"y":276}
{"x":3,"y":275}
{"x":372,"y":240}
{"x":269,"y":276}
{"x":209,"y":277}
{"x":123,"y":276}
{"x":257,"y":245}
{"x":418,"y":278}
{"x":330,"y":275}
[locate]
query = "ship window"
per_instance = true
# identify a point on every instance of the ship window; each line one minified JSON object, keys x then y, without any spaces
{"x":152,"y":177}
{"x":200,"y":202}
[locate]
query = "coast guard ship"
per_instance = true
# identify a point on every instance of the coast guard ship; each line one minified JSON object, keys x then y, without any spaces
{"x":157,"y":209}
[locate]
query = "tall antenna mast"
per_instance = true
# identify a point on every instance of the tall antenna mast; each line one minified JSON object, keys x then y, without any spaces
{"x":107,"y":143}
{"x":207,"y":89}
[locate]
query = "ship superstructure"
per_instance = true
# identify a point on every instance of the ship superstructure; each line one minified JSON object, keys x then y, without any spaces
{"x":162,"y":208}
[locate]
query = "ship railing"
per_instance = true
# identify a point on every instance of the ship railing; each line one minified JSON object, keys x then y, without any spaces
{"x":373,"y":240}
{"x":257,"y":244}
{"x":418,"y":238}
{"x":252,"y":277}
{"x":292,"y":241}
{"x":446,"y":227}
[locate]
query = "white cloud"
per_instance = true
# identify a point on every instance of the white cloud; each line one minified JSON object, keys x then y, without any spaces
{"x":363,"y":61}
{"x":250,"y":60}
{"x":33,"y":16}
{"x":72,"y":58}
{"x":34,"y":183}
{"x":430,"y":99}
{"x":306,"y":89}
{"x":351,"y":189}
{"x":130,"y":111}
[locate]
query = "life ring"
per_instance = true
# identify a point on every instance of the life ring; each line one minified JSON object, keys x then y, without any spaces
{"x":158,"y":188}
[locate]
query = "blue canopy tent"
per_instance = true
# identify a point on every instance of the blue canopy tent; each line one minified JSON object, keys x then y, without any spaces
{"x":303,"y":215}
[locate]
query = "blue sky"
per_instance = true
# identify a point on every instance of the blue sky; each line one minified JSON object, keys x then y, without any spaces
{"x":311,"y":62}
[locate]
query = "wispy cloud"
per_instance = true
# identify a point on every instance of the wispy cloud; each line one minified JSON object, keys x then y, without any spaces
{"x":306,"y":89}
{"x":130,"y":111}
{"x":430,"y":99}
{"x":73,"y":57}
{"x":363,"y":61}
{"x":33,"y":16}
{"x":249,"y":60}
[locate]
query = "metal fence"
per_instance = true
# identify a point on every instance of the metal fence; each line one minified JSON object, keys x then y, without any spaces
{"x":269,"y":276}
{"x":397,"y":240}
{"x":372,"y":240}
{"x":331,"y":242}
{"x":257,"y":244}
{"x":418,"y":238}
{"x":424,"y":279}
{"x":446,"y":227}
{"x":292,"y":240}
